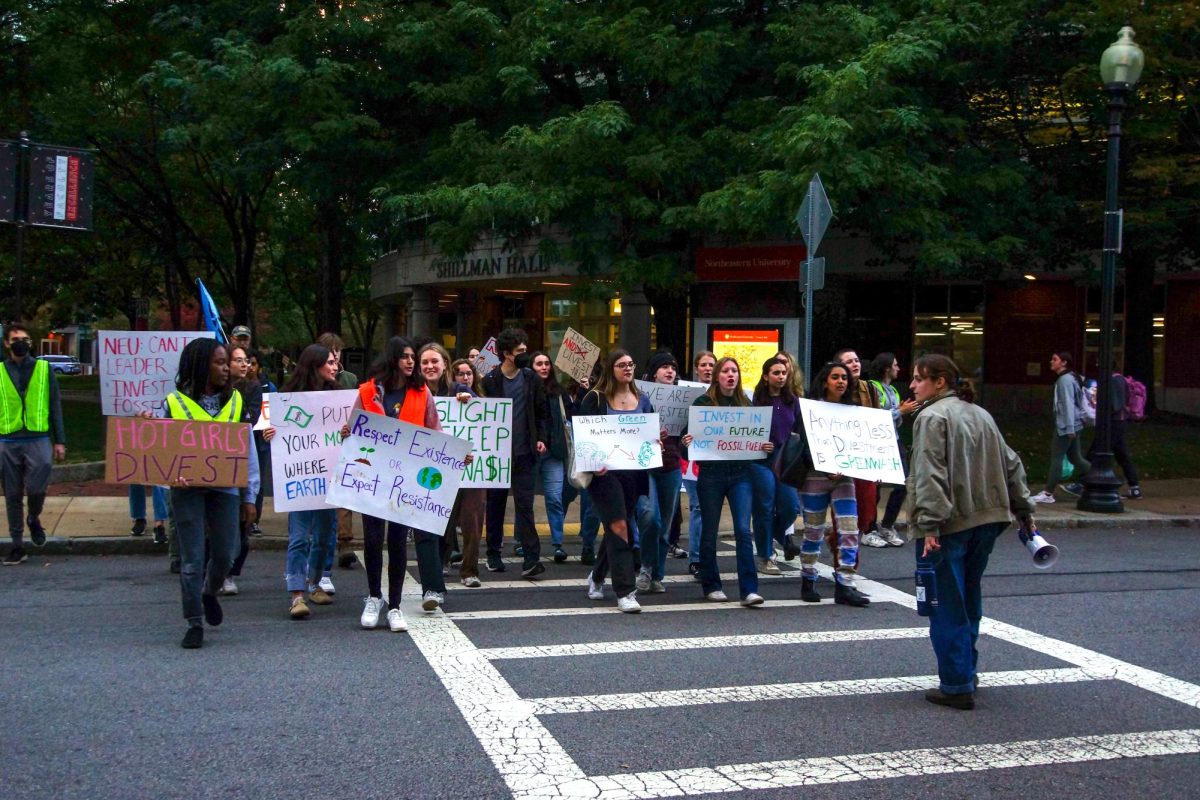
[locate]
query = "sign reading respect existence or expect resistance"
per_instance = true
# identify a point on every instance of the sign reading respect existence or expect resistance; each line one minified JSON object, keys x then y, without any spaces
{"x":577,"y":355}
{"x":137,"y":368}
{"x":308,"y":437}
{"x":616,"y":441}
{"x":672,"y":402}
{"x":728,"y":433}
{"x":486,"y":422}
{"x":855,"y":441}
{"x":160,"y":451}
{"x":399,"y":472}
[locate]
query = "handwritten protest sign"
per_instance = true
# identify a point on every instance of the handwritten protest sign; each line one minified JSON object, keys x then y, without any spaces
{"x":616,"y":441}
{"x":137,"y":368}
{"x":399,"y":472}
{"x":728,"y":433}
{"x":160,"y":451}
{"x":488,"y":359}
{"x":486,"y":422}
{"x":306,"y":444}
{"x":855,"y":441}
{"x":671,"y":402}
{"x":577,"y":355}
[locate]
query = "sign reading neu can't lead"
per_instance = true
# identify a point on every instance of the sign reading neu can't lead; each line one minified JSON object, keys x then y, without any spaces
{"x":160,"y":451}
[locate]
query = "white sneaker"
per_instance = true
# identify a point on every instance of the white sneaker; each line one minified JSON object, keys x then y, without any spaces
{"x":1042,"y":497}
{"x":643,"y":581}
{"x":326,"y":583}
{"x":752,"y":599}
{"x":396,"y":622}
{"x":767,"y":566}
{"x":595,"y":590}
{"x":471,"y":582}
{"x":430,"y":601}
{"x":629,"y":603}
{"x":228,"y":587}
{"x":892,"y":537}
{"x":717,"y":597}
{"x":371,"y":610}
{"x":873,"y":539}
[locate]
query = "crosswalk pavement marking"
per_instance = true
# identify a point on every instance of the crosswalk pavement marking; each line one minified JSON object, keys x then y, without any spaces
{"x":517,"y":613}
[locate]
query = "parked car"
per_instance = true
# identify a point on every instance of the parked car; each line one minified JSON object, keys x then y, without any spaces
{"x":63,"y":365}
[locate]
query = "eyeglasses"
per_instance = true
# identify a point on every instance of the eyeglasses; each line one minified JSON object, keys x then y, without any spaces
{"x":624,"y":365}
{"x":240,"y":360}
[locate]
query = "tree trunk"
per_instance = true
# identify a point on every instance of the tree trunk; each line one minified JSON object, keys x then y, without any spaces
{"x":330,"y":281}
{"x":1139,"y":319}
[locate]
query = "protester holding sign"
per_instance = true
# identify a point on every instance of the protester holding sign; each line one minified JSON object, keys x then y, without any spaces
{"x":721,"y":480}
{"x":251,"y":392}
{"x":659,"y":507}
{"x":702,"y":372}
{"x":833,"y":384}
{"x":775,"y":502}
{"x":557,"y":493}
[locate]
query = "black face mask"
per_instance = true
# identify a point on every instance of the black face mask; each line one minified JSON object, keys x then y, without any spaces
{"x":20,"y":348}
{"x":524,"y":360}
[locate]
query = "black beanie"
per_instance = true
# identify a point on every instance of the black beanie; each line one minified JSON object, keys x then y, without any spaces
{"x":659,"y":360}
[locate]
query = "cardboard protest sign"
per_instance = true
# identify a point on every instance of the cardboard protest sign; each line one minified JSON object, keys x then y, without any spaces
{"x":486,"y":422}
{"x":729,"y":433}
{"x":577,"y":355}
{"x":137,"y":368}
{"x":488,"y":359}
{"x":399,"y":472}
{"x":305,"y":448}
{"x":160,"y":451}
{"x":616,"y":441}
{"x":671,"y":402}
{"x":855,"y":441}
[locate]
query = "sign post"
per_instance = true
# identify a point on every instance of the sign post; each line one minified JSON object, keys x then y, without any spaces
{"x":812,"y":219}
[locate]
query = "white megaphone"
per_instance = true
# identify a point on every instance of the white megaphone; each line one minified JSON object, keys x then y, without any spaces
{"x":1044,"y":554}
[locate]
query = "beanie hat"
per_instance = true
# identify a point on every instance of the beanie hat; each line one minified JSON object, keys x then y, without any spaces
{"x":659,"y":360}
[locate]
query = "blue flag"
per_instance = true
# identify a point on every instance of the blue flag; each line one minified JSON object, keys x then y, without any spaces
{"x":212,"y":317}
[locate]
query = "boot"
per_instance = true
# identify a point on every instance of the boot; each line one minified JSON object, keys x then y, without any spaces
{"x":808,"y":590}
{"x":790,"y":549}
{"x":845,"y":595}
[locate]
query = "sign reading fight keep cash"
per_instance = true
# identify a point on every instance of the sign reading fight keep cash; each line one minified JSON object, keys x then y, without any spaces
{"x":486,"y":422}
{"x":577,"y":355}
{"x":308,"y":437}
{"x":855,"y":441}
{"x":616,"y":441}
{"x":399,"y":472}
{"x":137,"y":368}
{"x":671,"y":402}
{"x":729,"y":433}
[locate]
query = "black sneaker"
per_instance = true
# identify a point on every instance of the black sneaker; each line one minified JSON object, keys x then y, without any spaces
{"x":963,"y":702}
{"x":255,"y":530}
{"x":1135,"y":493}
{"x":849,"y":596}
{"x":790,"y":549}
{"x":694,"y":570}
{"x":519,"y":551}
{"x":14,"y":557}
{"x":348,"y":561}
{"x":495,"y":563}
{"x":175,"y":566}
{"x":160,"y":534}
{"x":560,"y":555}
{"x":532,"y":570}
{"x":193,"y":639}
{"x":1073,"y":489}
{"x":213,"y":614}
{"x":456,"y":557}
{"x":139,"y":528}
{"x":808,"y":590}
{"x":37,"y":534}
{"x":675,"y":551}
{"x":587,"y":556}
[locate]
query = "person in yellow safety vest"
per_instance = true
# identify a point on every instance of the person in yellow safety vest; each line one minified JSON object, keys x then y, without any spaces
{"x":204,"y":392}
{"x":30,"y":419}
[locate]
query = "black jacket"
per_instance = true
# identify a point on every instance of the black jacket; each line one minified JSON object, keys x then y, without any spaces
{"x":535,"y":394}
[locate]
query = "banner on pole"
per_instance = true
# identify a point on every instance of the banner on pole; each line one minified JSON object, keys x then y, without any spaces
{"x":399,"y":472}
{"x":672,"y":402}
{"x":486,"y":422}
{"x":617,"y":441}
{"x":576,"y":356}
{"x":60,"y":187}
{"x":855,"y":441}
{"x":308,"y":437}
{"x":137,"y":368}
{"x":160,"y":451}
{"x":729,"y":433}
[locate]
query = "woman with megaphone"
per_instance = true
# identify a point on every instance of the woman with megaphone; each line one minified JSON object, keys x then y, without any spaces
{"x":965,"y":485}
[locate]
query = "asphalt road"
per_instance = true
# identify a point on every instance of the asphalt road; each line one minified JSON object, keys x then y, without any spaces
{"x":1094,"y":663}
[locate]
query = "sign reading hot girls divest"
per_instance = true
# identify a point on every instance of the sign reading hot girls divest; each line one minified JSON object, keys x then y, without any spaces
{"x":308,"y":437}
{"x":161,"y":451}
{"x":137,"y":368}
{"x":672,"y":402}
{"x":728,"y":433}
{"x":855,"y":441}
{"x":486,"y":422}
{"x":616,"y":441}
{"x":399,"y":472}
{"x":577,"y":355}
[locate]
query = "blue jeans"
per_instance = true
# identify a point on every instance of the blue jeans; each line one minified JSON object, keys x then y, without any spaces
{"x":137,"y":502}
{"x":954,"y":623}
{"x":720,"y":480}
{"x":655,"y":512}
{"x":775,"y":507}
{"x":589,"y":521}
{"x":199,"y":511}
{"x":552,"y":473}
{"x":694,"y":523}
{"x":311,"y":534}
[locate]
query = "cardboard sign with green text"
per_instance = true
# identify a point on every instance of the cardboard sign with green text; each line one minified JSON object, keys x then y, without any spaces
{"x":160,"y":451}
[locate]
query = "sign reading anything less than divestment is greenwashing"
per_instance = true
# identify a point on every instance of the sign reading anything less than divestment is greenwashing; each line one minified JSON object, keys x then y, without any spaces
{"x":308,"y":437}
{"x":851,"y":440}
{"x":486,"y":422}
{"x":399,"y":472}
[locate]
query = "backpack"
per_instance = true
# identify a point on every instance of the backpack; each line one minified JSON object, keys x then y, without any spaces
{"x":1086,"y":406}
{"x":1135,"y":399}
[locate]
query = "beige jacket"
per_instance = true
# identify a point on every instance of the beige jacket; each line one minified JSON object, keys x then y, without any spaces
{"x":962,"y":474}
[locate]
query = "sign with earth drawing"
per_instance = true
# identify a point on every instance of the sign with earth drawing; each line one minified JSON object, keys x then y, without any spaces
{"x":617,"y":441}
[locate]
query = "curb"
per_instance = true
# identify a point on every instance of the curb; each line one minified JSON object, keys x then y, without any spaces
{"x":78,"y":472}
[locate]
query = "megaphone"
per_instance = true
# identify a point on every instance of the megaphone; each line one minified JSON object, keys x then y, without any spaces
{"x":1044,"y":554}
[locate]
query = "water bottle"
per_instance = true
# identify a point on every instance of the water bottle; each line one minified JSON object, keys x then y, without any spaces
{"x":926,"y":580}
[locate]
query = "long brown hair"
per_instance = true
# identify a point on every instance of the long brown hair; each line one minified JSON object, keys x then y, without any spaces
{"x":934,"y":366}
{"x":607,"y":385}
{"x":475,"y":382}
{"x":307,"y":377}
{"x":445,"y":384}
{"x":714,"y":387}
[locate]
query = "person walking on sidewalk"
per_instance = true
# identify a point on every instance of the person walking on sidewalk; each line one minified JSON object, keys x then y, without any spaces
{"x":1118,"y":394}
{"x":1068,"y":397}
{"x":31,"y":436}
{"x":964,"y":488}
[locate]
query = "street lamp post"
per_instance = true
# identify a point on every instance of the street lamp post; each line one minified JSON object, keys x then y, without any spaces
{"x":1120,"y":68}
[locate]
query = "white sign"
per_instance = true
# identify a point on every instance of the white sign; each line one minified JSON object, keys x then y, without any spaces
{"x":400,"y":472}
{"x":137,"y":368}
{"x":729,"y":433}
{"x":671,"y":402}
{"x":617,"y":441}
{"x":308,"y":436}
{"x":488,"y":359}
{"x":576,"y":356}
{"x":486,"y":422}
{"x":855,"y":441}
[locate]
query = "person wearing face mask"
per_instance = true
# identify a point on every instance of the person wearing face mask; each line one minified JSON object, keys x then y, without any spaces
{"x":31,"y":436}
{"x":702,"y":372}
{"x":513,"y":379}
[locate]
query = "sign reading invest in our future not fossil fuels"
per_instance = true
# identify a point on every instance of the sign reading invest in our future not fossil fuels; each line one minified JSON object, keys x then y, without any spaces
{"x":851,"y":440}
{"x":308,"y":437}
{"x":399,"y":472}
{"x":728,"y":433}
{"x":486,"y":422}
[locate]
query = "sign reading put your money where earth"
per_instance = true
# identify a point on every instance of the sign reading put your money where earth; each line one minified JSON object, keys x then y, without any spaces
{"x":308,"y":437}
{"x":855,"y":441}
{"x":486,"y":422}
{"x":160,"y":451}
{"x":137,"y":368}
{"x":728,"y":433}
{"x":399,"y":472}
{"x":616,"y":441}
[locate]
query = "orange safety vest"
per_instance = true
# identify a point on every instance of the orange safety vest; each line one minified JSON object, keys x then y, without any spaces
{"x":412,"y":411}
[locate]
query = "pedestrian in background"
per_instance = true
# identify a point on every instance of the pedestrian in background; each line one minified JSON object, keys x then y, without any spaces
{"x":775,"y":503}
{"x":1118,"y":396}
{"x":702,"y":371}
{"x":661,"y":505}
{"x":471,"y":504}
{"x":251,"y":391}
{"x":1068,"y":399}
{"x":265,"y":386}
{"x":345,"y":517}
{"x":883,"y":370}
{"x":551,"y":465}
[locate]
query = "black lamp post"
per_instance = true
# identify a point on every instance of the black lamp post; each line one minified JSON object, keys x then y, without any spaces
{"x":1120,"y":68}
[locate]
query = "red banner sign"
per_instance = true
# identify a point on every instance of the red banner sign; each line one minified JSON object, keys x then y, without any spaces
{"x":739,"y":264}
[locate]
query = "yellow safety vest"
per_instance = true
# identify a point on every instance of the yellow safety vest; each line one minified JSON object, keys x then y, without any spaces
{"x":181,"y":406}
{"x":32,"y":411}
